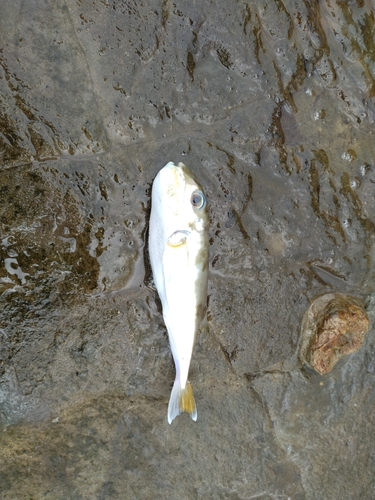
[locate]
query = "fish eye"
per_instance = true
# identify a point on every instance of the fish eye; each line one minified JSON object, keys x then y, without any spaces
{"x":197,"y":199}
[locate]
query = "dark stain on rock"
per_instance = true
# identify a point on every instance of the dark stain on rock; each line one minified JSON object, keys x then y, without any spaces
{"x":224,"y":57}
{"x":230,"y":161}
{"x":38,"y":139}
{"x":258,"y":42}
{"x":165,"y":13}
{"x":103,"y":190}
{"x":56,"y":241}
{"x":190,"y":64}
{"x":331,"y":220}
{"x":247,"y":17}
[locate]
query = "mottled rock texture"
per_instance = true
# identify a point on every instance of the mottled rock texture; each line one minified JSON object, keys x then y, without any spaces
{"x":334,"y":325}
{"x":271,"y":104}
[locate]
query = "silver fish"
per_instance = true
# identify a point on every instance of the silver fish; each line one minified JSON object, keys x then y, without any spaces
{"x":178,"y":249}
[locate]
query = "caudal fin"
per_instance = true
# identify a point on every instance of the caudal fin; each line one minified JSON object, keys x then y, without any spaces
{"x":181,"y":400}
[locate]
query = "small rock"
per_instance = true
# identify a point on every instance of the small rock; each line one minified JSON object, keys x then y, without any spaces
{"x":334,"y":325}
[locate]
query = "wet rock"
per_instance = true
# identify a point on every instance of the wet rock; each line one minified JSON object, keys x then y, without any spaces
{"x":334,"y":325}
{"x":271,"y":105}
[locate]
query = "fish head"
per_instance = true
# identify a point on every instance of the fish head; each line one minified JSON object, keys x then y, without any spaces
{"x":182,"y":202}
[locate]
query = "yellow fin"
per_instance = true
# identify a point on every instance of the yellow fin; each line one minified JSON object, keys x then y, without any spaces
{"x":181,"y":400}
{"x":186,"y":401}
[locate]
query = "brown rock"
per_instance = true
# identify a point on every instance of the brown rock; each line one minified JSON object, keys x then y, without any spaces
{"x":334,"y":325}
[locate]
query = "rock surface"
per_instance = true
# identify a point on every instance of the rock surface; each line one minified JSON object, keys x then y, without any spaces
{"x":271,"y":105}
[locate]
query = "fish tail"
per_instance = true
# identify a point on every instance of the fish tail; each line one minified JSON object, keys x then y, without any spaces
{"x":181,"y":400}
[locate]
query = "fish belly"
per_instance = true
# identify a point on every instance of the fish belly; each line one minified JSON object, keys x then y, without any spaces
{"x":180,"y":304}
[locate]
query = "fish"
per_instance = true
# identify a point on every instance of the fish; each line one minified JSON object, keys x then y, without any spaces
{"x":178,"y":251}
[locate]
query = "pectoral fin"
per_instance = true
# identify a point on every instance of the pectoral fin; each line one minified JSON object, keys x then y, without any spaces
{"x":177,"y":238}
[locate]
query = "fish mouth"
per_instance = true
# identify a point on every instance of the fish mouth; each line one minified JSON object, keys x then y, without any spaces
{"x":178,"y":237}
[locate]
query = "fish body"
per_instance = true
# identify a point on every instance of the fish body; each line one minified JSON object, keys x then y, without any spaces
{"x":178,"y":249}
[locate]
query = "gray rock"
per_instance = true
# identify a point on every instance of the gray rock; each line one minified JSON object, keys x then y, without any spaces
{"x":271,"y":105}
